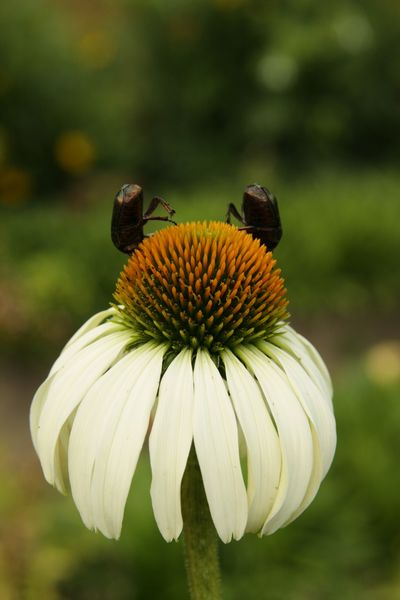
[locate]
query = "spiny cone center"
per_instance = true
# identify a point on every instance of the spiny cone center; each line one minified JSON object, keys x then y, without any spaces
{"x":202,"y":284}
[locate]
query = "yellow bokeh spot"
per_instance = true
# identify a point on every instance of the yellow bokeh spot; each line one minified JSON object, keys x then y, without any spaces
{"x":74,"y":152}
{"x":15,"y":185}
{"x":96,"y":49}
{"x":382,"y":362}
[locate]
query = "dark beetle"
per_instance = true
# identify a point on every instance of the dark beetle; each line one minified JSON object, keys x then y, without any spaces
{"x":260,"y":215}
{"x":128,"y":218}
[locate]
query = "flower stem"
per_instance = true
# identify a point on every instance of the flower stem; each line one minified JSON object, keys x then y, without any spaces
{"x":200,"y":538}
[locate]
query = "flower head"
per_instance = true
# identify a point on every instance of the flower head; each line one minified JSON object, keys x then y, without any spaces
{"x":196,"y":346}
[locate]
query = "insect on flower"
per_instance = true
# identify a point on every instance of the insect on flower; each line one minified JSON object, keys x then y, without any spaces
{"x":128,"y":218}
{"x":197,"y":343}
{"x":260,"y":215}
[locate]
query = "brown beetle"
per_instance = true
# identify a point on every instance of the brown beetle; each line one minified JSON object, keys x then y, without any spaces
{"x":260,"y":215}
{"x":128,"y":218}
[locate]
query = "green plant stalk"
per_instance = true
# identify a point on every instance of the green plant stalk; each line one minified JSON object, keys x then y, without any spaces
{"x":200,"y":538}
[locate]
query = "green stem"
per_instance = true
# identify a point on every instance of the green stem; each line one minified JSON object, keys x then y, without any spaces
{"x":200,"y":538}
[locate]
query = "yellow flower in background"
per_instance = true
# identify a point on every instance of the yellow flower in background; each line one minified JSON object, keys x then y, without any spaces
{"x":97,"y":50}
{"x":382,"y":362}
{"x":197,"y":344}
{"x":15,"y":184}
{"x":75,"y":152}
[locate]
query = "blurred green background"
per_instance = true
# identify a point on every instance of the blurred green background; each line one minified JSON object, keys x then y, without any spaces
{"x":194,"y":101}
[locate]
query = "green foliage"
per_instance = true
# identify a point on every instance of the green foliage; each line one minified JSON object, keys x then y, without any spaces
{"x":52,"y":86}
{"x":179,"y":92}
{"x":339,"y":254}
{"x":223,"y":84}
{"x":260,"y":84}
{"x":340,"y":246}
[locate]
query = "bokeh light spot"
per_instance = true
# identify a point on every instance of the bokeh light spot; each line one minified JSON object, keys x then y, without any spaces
{"x":277,"y":72}
{"x":382,"y":362}
{"x":74,"y":152}
{"x":96,"y":49}
{"x":15,"y":184}
{"x":354,"y":33}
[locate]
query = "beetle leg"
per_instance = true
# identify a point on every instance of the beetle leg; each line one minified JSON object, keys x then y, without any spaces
{"x":145,"y":219}
{"x":255,"y":229}
{"x":153,"y":205}
{"x":232,"y":210}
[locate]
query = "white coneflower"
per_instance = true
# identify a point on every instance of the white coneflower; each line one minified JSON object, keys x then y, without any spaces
{"x":197,"y":346}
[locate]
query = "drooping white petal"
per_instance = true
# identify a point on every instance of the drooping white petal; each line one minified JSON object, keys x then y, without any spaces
{"x":99,"y":411}
{"x":294,"y":436}
{"x":91,"y":323}
{"x":216,"y":442}
{"x":91,"y":330}
{"x":316,"y":357}
{"x":311,"y":398}
{"x":321,"y":418}
{"x":84,"y":340}
{"x":39,"y":400}
{"x":36,"y":408}
{"x":61,"y":479}
{"x":263,"y":448}
{"x":57,"y":400}
{"x":60,"y":472}
{"x":121,"y":443}
{"x":293,"y":343}
{"x":170,"y":440}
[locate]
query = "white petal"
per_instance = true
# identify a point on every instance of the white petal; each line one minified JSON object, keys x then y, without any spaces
{"x":120,"y":446}
{"x":217,"y":449}
{"x":316,"y":357}
{"x":96,"y":416}
{"x":94,"y":321}
{"x":321,"y":419}
{"x":294,"y":435}
{"x":84,"y":340}
{"x":170,"y":441}
{"x":312,"y":400}
{"x":38,"y":402}
{"x":60,"y":471}
{"x":61,"y":479}
{"x":263,"y":448}
{"x":290,"y":341}
{"x":89,"y":332}
{"x":57,"y":401}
